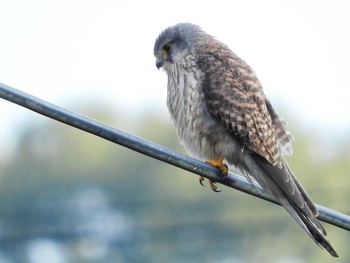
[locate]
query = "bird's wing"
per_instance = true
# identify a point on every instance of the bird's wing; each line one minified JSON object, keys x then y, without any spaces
{"x":235,"y":97}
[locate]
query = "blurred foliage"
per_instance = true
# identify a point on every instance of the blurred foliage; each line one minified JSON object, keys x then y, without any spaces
{"x":78,"y":198}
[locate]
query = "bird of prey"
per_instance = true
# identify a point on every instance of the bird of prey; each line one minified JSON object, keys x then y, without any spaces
{"x":222,"y":116}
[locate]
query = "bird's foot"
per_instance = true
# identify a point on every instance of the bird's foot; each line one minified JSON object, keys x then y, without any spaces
{"x":219,"y":164}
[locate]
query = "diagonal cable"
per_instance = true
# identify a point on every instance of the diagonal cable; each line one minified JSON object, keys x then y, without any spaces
{"x":153,"y":150}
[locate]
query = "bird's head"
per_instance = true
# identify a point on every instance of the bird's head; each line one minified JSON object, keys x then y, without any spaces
{"x":176,"y":42}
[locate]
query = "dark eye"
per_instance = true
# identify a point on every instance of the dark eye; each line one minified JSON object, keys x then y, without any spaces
{"x":167,"y":48}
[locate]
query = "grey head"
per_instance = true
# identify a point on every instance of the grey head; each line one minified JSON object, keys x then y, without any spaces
{"x":176,"y":42}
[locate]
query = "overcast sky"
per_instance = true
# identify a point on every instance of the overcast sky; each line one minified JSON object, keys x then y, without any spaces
{"x":64,"y":50}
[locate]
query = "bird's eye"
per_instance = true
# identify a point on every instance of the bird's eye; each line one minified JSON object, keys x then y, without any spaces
{"x":167,"y":48}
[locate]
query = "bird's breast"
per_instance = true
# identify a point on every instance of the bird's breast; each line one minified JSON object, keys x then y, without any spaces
{"x":197,"y":130}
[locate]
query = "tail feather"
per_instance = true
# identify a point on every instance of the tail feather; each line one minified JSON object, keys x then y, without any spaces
{"x":282,"y":183}
{"x":303,"y":192}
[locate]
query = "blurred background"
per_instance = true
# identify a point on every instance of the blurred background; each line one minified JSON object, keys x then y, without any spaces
{"x":67,"y":196}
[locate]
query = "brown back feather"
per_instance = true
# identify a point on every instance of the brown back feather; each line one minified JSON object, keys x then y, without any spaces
{"x":236,"y":98}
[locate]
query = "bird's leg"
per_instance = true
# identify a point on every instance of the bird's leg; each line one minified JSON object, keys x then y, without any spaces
{"x":219,"y":164}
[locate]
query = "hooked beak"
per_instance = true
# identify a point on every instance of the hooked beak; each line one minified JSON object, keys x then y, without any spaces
{"x":159,"y":63}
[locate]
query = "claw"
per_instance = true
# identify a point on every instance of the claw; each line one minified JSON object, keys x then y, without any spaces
{"x":201,"y":180}
{"x":213,"y":186}
{"x":211,"y":183}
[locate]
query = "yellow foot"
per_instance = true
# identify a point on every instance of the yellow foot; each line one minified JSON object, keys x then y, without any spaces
{"x":219,"y":164}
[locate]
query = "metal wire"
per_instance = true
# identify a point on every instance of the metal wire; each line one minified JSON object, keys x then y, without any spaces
{"x":153,"y":150}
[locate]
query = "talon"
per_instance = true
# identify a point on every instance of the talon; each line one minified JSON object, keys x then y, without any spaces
{"x":219,"y":164}
{"x":201,"y":180}
{"x":211,"y":183}
{"x":213,"y":186}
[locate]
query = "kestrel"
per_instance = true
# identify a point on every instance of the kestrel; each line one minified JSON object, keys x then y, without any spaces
{"x":222,"y":115}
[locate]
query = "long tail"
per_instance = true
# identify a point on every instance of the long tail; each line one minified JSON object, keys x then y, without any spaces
{"x":282,"y":183}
